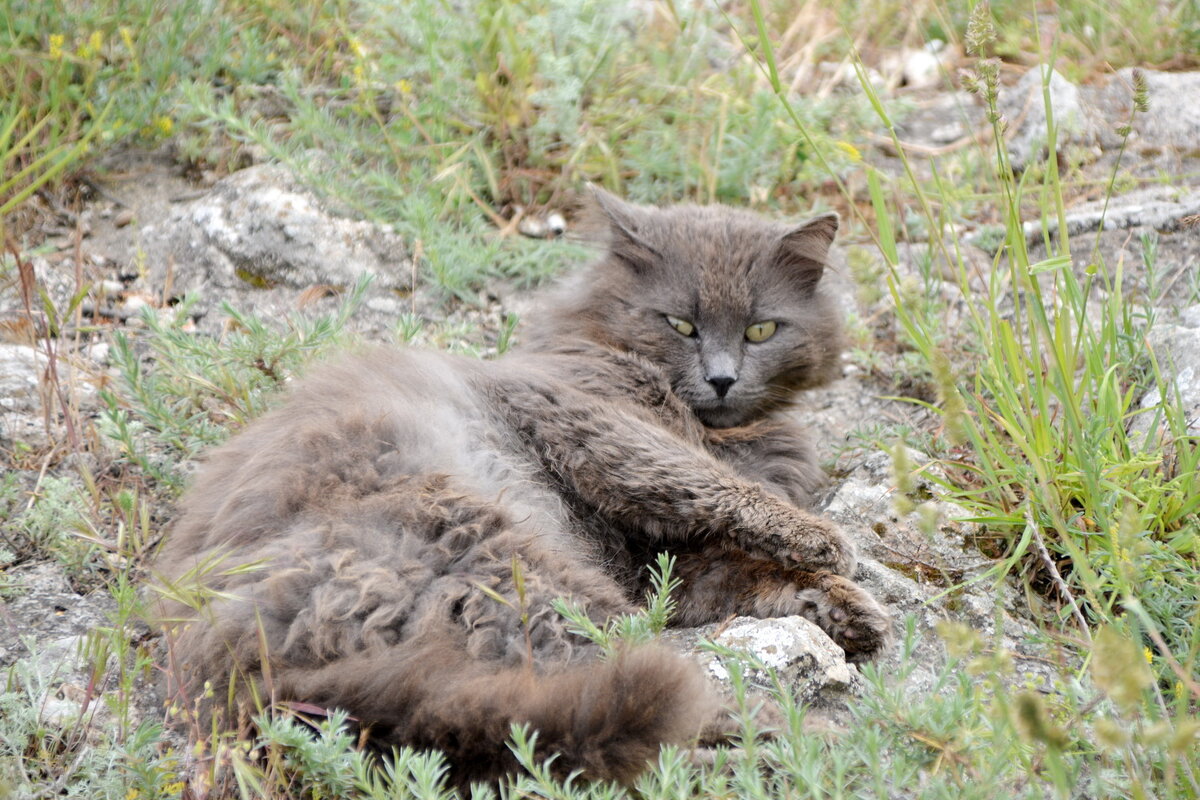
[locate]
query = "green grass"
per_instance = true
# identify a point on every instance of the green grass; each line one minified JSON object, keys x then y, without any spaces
{"x":1042,"y":401}
{"x":440,"y":124}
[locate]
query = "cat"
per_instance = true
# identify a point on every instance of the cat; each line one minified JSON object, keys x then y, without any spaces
{"x":351,"y":544}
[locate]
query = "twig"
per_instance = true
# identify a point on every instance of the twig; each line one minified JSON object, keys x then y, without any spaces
{"x":50,"y":387}
{"x":928,"y":150}
{"x":1059,"y":583}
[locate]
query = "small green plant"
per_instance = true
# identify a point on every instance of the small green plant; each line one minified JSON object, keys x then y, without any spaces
{"x":199,"y":387}
{"x":629,"y":629}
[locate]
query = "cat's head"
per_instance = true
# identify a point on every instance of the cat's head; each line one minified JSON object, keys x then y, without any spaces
{"x":726,"y":302}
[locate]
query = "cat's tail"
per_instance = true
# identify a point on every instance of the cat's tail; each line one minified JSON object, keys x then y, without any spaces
{"x":604,"y":718}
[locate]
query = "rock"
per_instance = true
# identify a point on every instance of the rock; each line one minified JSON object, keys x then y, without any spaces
{"x":801,"y":654}
{"x":44,"y":608}
{"x":20,"y":367}
{"x":1166,"y":209}
{"x":23,"y":391}
{"x":1177,"y":349}
{"x":1024,"y":108}
{"x":922,"y":67}
{"x":21,"y":418}
{"x":260,"y":227}
{"x":1173,"y":119}
{"x":1091,"y":116}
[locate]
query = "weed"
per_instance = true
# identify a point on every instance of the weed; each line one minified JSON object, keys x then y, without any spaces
{"x":201,"y":388}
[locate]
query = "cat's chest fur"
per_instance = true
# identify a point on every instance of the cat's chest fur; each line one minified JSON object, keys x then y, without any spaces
{"x":485,"y":425}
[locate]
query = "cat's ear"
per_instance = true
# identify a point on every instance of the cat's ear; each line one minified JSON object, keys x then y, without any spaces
{"x":803,"y":250}
{"x":623,"y":224}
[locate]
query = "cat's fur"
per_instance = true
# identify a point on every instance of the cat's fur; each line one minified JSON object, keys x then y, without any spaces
{"x":351,"y":542}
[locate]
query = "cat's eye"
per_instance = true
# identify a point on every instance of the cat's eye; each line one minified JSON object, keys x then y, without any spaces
{"x":760,"y":331}
{"x":682,"y":325}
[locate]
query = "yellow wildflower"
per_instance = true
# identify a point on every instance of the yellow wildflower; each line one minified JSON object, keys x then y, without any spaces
{"x":91,"y":46}
{"x":404,"y":86}
{"x":127,"y":38}
{"x":164,"y":124}
{"x":56,"y":45}
{"x":849,"y":150}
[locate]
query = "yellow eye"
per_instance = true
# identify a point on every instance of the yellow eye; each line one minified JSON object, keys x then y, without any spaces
{"x":760,"y":331}
{"x":682,"y":325}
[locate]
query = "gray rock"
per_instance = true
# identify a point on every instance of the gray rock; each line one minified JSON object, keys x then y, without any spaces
{"x":20,"y":367}
{"x":23,"y":391}
{"x":260,"y":227}
{"x":802,"y":656}
{"x":1163,"y":208}
{"x":1024,"y":108}
{"x":1093,"y":116}
{"x":1173,"y":119}
{"x":1177,"y":349}
{"x":46,"y":610}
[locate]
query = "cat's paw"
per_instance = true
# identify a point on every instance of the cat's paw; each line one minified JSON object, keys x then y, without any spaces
{"x":820,"y":545}
{"x":849,"y":615}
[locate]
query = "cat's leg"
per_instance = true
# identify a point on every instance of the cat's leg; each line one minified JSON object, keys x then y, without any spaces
{"x":650,"y":480}
{"x":774,"y":453}
{"x":718,"y":584}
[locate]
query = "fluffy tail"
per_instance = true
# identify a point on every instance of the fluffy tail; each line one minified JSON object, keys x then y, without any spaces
{"x":606,"y":718}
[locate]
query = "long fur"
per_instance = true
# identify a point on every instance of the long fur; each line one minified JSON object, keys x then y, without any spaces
{"x":391,"y":539}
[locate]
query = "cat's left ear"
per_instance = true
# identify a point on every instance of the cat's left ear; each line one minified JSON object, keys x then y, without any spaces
{"x":803,"y":250}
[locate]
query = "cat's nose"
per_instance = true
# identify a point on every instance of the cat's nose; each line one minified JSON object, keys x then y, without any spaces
{"x":721,"y":384}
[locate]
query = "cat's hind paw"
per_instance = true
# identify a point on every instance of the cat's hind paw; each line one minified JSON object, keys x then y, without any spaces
{"x":849,"y":615}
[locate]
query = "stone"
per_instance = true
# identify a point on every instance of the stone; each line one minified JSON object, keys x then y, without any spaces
{"x":259,"y":227}
{"x":1166,"y":209}
{"x":42,"y":607}
{"x":1173,"y":118}
{"x":1177,"y":350}
{"x":21,"y":418}
{"x":20,"y":367}
{"x":799,"y":652}
{"x":1024,"y":108}
{"x":1094,"y":115}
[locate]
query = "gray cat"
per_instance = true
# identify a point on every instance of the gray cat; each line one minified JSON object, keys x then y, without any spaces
{"x":351,"y":542}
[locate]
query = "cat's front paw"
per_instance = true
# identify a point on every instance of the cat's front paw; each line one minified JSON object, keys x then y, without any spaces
{"x":820,"y":545}
{"x":849,"y":615}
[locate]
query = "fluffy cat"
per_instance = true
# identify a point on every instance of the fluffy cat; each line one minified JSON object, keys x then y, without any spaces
{"x":351,"y":541}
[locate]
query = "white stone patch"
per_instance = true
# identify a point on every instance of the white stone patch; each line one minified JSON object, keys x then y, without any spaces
{"x":799,"y":652}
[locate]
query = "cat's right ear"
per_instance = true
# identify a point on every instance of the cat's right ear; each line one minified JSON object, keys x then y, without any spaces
{"x":623,"y":224}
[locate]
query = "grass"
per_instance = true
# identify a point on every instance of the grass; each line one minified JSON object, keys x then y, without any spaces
{"x":406,"y":114}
